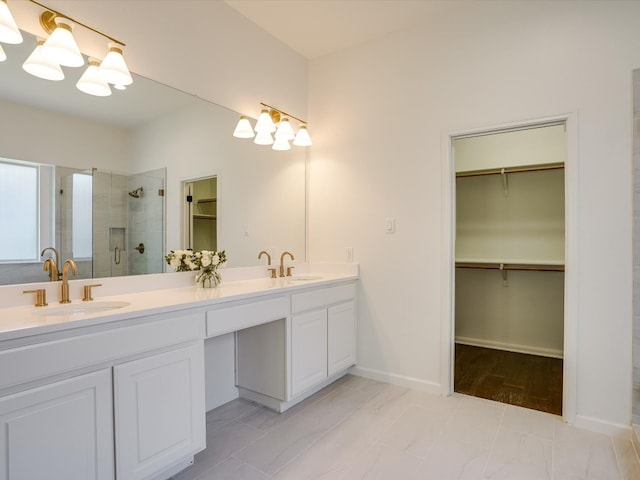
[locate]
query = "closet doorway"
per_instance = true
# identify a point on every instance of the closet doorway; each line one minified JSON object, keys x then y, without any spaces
{"x":509,"y":265}
{"x":201,"y":214}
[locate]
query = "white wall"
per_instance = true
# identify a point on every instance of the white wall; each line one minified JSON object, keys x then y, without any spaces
{"x":35,"y":135}
{"x":379,"y":113}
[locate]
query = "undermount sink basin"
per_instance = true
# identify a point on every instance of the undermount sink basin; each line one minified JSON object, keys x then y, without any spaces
{"x":304,"y":278}
{"x":83,"y":308}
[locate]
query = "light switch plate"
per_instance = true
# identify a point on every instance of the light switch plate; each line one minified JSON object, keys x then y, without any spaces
{"x":389,"y":225}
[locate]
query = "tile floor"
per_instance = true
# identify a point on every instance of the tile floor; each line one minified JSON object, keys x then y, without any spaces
{"x":362,"y":429}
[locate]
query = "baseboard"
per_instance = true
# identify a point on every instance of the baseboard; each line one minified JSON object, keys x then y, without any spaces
{"x":400,"y":380}
{"x":510,"y":347}
{"x":601,"y":426}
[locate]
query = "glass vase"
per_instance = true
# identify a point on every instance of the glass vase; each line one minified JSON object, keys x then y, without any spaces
{"x":208,"y":278}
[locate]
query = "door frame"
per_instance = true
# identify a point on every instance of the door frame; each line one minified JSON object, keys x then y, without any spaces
{"x":571,"y":280}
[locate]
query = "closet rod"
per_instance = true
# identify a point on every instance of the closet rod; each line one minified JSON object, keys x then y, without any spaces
{"x":506,"y":266}
{"x":534,"y":168}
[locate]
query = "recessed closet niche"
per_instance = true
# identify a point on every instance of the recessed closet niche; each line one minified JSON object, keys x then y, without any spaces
{"x":509,"y":282}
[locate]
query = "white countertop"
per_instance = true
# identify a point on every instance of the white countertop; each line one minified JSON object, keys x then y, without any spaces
{"x":24,"y":321}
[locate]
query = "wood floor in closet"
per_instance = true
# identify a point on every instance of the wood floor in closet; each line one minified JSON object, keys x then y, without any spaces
{"x":519,"y":379}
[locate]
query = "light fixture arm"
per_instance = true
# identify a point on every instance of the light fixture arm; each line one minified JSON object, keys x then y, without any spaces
{"x":281,"y":112}
{"x":47,"y":21}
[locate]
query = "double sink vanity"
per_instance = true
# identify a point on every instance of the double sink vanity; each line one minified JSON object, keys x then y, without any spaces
{"x":114,"y":388}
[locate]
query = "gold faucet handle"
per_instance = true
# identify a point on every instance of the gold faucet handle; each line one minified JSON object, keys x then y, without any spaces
{"x":41,"y":296}
{"x":87,"y":292}
{"x":273,"y":272}
{"x":289,"y":270}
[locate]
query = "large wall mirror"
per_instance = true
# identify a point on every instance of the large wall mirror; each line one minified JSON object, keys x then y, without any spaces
{"x":139,"y":147}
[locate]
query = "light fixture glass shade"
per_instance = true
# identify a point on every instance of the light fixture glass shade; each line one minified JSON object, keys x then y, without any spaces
{"x":243,"y":129}
{"x":284,"y":130}
{"x":302,"y":137}
{"x":3,"y":56}
{"x":40,"y":66}
{"x":281,"y":143}
{"x":263,"y":138}
{"x":61,"y":47}
{"x":113,"y":67}
{"x":92,"y":83}
{"x":264,"y":123}
{"x":9,"y":31}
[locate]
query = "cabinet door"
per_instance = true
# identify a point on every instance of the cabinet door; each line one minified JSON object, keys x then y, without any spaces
{"x":60,"y":431}
{"x":341,"y":321}
{"x":159,"y":411}
{"x":308,"y":350}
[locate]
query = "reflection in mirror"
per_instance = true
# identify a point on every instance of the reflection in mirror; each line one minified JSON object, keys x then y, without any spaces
{"x":201,"y":214}
{"x":95,"y":220}
{"x":147,"y":128}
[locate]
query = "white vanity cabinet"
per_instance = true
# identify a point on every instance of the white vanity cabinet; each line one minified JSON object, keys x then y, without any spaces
{"x":59,"y":431}
{"x":308,"y":350}
{"x":159,"y":411}
{"x":120,"y":403}
{"x":323,"y":335}
{"x":291,"y":346}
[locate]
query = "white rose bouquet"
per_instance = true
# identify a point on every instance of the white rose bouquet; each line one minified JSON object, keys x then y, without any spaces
{"x":206,"y":262}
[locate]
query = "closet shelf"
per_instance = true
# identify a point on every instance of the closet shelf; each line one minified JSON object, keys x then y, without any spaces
{"x":524,"y":266}
{"x":499,"y":171}
{"x":201,"y":216}
{"x":206,"y":200}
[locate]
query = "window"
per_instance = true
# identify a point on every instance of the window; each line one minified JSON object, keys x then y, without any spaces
{"x":82,"y":215}
{"x":19,"y":217}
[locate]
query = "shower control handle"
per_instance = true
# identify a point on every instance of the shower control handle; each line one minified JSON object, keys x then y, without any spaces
{"x":140,"y":248}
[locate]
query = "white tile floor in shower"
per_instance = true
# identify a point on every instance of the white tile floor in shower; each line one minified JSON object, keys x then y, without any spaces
{"x":362,"y":429}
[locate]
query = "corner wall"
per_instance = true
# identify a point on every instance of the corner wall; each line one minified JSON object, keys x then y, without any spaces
{"x":379,"y":112}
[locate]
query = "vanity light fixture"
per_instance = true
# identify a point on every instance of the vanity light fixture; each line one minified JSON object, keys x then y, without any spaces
{"x":243,"y":129}
{"x":9,"y":31}
{"x":61,"y":49}
{"x":92,"y":82}
{"x":39,"y":66}
{"x":302,"y":137}
{"x":281,"y":143}
{"x":113,"y":67}
{"x":272,"y":120}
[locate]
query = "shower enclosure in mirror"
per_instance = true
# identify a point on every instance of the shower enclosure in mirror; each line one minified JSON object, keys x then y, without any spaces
{"x":110,"y":224}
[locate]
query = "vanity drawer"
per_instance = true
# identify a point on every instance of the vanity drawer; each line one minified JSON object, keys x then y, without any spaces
{"x":322,"y":297}
{"x":230,"y":319}
{"x":35,"y":362}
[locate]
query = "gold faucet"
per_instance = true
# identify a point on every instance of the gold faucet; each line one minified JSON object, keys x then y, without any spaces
{"x":51,"y":265}
{"x":65,"y":279}
{"x":272,"y":270}
{"x":264,"y":252}
{"x":282,"y":264}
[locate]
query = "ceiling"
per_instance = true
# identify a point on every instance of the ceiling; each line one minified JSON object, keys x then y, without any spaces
{"x":314,"y":28}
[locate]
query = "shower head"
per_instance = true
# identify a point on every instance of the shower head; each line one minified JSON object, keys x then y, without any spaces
{"x":137,"y":193}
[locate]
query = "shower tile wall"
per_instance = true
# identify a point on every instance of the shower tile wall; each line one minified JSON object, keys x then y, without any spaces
{"x":111,"y":194}
{"x":636,"y":247}
{"x":146,"y":224}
